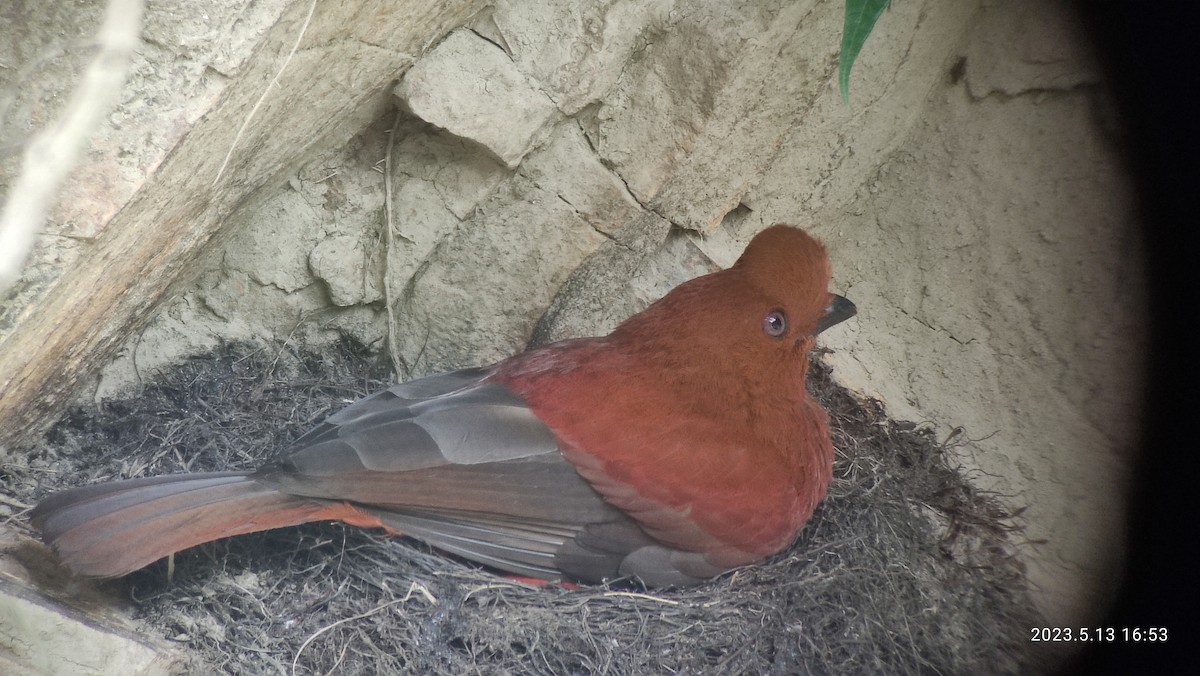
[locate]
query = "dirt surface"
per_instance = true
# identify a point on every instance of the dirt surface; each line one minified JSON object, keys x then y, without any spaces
{"x":905,"y":568}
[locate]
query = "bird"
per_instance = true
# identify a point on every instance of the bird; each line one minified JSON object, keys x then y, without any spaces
{"x":679,"y":446}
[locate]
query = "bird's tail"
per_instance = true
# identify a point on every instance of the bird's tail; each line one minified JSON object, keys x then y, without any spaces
{"x":115,"y":528}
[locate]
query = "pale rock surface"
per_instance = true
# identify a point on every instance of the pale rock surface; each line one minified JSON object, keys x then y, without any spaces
{"x":997,"y":245}
{"x":274,"y":275}
{"x":331,"y":257}
{"x":178,"y":73}
{"x":77,"y":629}
{"x":470,"y":87}
{"x":491,"y":279}
{"x":576,"y":51}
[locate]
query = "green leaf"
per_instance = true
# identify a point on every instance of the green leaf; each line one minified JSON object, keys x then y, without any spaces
{"x":861,"y":16}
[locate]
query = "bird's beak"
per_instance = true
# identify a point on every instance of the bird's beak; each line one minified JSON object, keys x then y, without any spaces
{"x":839,"y":310}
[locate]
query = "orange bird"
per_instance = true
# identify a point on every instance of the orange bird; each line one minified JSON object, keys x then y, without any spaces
{"x":679,"y":446}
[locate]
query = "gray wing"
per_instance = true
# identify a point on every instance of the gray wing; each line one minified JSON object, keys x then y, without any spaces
{"x":465,"y":465}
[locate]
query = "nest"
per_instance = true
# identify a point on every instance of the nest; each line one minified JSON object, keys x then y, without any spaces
{"x":905,"y":567}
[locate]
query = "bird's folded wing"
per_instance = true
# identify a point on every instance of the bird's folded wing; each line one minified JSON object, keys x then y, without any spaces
{"x":454,"y":460}
{"x":453,"y":441}
{"x":463,"y":464}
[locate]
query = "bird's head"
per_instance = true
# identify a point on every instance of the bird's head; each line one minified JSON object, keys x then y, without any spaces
{"x":763,"y":312}
{"x":790,"y":272}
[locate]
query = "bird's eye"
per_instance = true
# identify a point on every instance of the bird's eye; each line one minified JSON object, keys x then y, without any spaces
{"x":775,"y":324}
